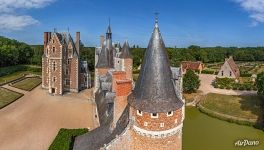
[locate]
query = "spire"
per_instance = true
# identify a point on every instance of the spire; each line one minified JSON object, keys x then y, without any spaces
{"x":154,"y":91}
{"x":125,"y":51}
{"x":109,"y":31}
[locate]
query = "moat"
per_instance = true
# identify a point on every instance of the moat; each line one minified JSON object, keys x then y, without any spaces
{"x":202,"y":132}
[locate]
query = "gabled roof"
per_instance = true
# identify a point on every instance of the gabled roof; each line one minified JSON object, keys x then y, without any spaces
{"x":154,"y":91}
{"x":125,"y":51}
{"x":230,"y":61}
{"x":191,"y":65}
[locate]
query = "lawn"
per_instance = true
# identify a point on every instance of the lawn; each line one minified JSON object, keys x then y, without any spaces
{"x":27,"y":84}
{"x":65,"y":139}
{"x":16,"y":75}
{"x":247,"y":107}
{"x":7,"y":97}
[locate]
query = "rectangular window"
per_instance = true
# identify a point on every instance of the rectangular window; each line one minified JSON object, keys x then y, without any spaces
{"x":68,"y":61}
{"x":54,"y":79}
{"x":67,"y":82}
{"x":222,"y":73}
{"x":145,"y":124}
{"x":230,"y":74}
{"x":53,"y":49}
{"x":154,"y":115}
{"x":67,"y":71}
{"x":162,"y":125}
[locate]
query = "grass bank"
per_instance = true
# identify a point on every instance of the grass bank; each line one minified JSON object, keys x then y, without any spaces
{"x":244,"y":110}
{"x":65,"y":139}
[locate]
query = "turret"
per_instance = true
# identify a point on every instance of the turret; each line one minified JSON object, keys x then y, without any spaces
{"x":155,"y":107}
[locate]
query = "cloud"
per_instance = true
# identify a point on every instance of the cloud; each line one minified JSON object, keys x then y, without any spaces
{"x":10,"y":19}
{"x":15,"y":22}
{"x":255,"y":9}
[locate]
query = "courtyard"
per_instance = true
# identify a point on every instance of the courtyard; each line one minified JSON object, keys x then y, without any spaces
{"x":33,"y":121}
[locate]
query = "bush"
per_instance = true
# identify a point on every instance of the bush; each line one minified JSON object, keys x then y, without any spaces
{"x":65,"y":138}
{"x":241,"y":88}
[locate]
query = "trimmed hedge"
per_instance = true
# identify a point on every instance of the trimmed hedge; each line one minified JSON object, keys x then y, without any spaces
{"x":65,"y":139}
{"x":206,"y":71}
{"x":228,"y":83}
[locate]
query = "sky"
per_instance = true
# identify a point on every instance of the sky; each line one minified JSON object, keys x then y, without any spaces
{"x":182,"y":22}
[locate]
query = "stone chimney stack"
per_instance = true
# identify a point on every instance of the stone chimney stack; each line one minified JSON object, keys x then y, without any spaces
{"x":102,"y":39}
{"x":78,"y":41}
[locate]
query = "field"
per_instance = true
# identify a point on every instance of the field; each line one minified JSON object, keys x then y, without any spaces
{"x":7,"y":97}
{"x":65,"y":138}
{"x":27,"y":84}
{"x":247,"y":107}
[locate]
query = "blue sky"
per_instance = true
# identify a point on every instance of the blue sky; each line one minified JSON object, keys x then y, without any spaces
{"x":182,"y":22}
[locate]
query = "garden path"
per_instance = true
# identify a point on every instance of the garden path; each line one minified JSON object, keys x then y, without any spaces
{"x":15,"y":89}
{"x":206,"y":87}
{"x":33,"y":121}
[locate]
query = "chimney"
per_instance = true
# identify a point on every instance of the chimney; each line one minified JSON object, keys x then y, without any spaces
{"x":77,"y":42}
{"x":45,"y":40}
{"x":102,"y":39}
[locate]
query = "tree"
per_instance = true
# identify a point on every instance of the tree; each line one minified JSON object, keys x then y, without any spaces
{"x":191,"y":81}
{"x":260,"y":83}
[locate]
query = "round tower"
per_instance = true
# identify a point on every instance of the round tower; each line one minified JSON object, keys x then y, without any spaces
{"x":156,"y":110}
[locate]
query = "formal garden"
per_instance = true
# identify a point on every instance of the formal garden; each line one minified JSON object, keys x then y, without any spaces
{"x":27,"y":84}
{"x":7,"y":97}
{"x":243,"y":83}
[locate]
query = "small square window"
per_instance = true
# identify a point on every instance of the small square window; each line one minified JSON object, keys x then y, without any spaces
{"x":145,"y":124}
{"x":162,"y":125}
{"x":154,"y":115}
{"x":139,"y":112}
{"x":170,"y":113}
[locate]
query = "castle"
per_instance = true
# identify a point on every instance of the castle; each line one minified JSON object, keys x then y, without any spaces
{"x":148,"y":115}
{"x":62,"y":69}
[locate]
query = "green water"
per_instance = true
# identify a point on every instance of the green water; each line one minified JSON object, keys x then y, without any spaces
{"x":201,"y":132}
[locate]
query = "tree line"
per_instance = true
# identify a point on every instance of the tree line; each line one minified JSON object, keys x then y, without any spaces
{"x":13,"y":52}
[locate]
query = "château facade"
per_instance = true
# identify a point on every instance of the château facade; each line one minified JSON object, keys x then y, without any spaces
{"x":62,"y":69}
{"x":147,"y":115}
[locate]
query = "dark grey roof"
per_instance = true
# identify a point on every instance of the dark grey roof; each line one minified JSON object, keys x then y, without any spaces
{"x":102,"y":135}
{"x":125,"y":51}
{"x":154,"y":90}
{"x":103,"y":59}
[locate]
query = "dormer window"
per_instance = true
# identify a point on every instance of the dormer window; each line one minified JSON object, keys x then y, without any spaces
{"x":154,"y":115}
{"x":170,"y":113}
{"x":139,"y":112}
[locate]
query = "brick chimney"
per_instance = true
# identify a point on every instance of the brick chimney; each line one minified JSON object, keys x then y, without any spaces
{"x":47,"y":37}
{"x":77,"y":42}
{"x":102,"y":39}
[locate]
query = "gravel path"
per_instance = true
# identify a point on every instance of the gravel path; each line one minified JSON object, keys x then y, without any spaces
{"x":206,"y":87}
{"x":33,"y":121}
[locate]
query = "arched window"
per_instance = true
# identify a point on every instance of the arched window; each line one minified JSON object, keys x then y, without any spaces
{"x":54,"y":66}
{"x":154,"y":115}
{"x":139,"y":112}
{"x":170,"y":113}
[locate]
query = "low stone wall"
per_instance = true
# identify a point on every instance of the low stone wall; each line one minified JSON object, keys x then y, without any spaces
{"x":241,"y":121}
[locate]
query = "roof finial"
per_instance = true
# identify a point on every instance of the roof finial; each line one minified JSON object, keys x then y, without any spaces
{"x":68,"y":30}
{"x":55,"y":30}
{"x":109,"y":21}
{"x":156,"y":19}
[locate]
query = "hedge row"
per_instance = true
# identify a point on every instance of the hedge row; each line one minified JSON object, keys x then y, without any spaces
{"x":227,"y":83}
{"x":11,"y":69}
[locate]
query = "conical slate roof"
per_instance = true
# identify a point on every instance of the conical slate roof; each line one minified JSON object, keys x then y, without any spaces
{"x":125,"y":51}
{"x":103,"y":60}
{"x":154,"y":91}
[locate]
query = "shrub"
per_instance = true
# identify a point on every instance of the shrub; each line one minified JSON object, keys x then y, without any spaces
{"x":241,"y":88}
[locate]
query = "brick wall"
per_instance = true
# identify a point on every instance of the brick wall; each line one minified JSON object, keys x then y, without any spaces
{"x":128,"y":67}
{"x":154,"y":124}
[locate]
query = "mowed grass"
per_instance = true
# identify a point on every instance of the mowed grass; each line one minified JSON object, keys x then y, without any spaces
{"x":189,"y":97}
{"x":7,"y":97}
{"x":246,"y":106}
{"x":27,"y":84}
{"x":16,"y":75}
{"x":65,"y":139}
